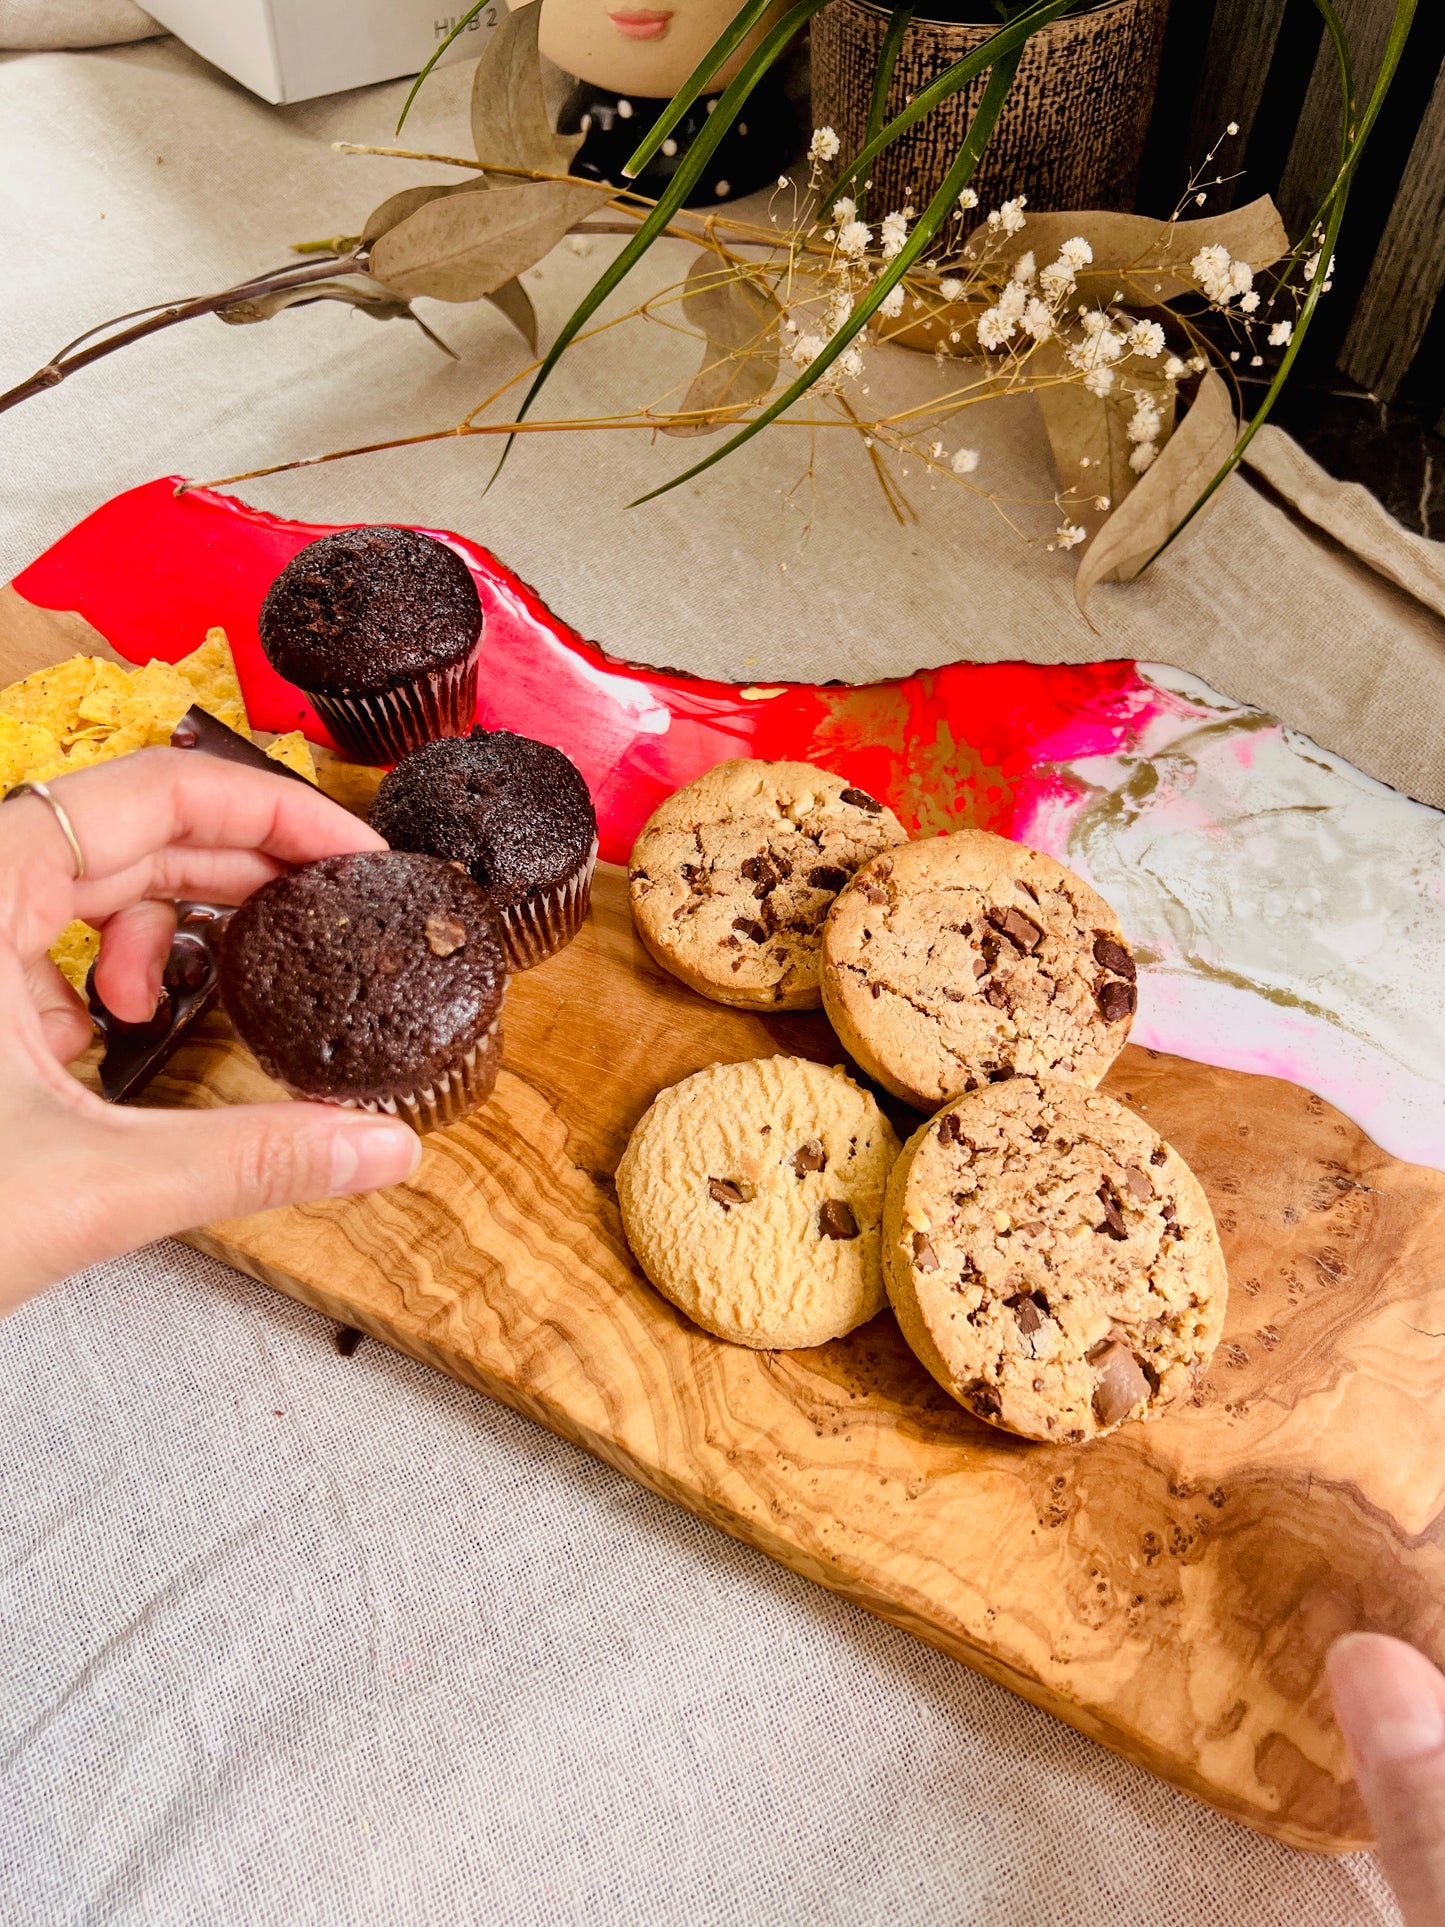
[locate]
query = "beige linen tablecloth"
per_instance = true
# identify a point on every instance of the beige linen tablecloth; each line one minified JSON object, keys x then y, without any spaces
{"x":296,"y":1638}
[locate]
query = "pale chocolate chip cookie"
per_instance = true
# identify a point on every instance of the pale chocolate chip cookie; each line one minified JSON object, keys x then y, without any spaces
{"x":967,"y":959}
{"x":733,"y":875}
{"x":1052,"y":1261}
{"x":752,"y":1197}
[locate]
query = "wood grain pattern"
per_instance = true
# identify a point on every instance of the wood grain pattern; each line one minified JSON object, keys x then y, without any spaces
{"x":1408,"y":271}
{"x":1231,"y":88}
{"x":1170,"y":1591}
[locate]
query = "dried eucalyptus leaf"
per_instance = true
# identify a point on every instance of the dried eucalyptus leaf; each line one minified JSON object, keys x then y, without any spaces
{"x":512,"y":300}
{"x":510,"y":121}
{"x":362,"y":293}
{"x":740,"y":355}
{"x":1197,"y":450}
{"x":1147,"y":250}
{"x":468,"y":246}
{"x":1089,"y":434}
{"x":395,"y":209}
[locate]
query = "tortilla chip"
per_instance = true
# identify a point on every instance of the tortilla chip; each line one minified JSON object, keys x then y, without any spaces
{"x":295,"y":752}
{"x":117,"y":742}
{"x":51,"y":697}
{"x":74,"y":951}
{"x":211,"y":672}
{"x":108,"y":698}
{"x":25,"y":748}
{"x":162,"y":695}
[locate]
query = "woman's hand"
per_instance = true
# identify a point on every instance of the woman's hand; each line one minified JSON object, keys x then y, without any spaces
{"x":1390,"y":1703}
{"x":81,"y":1180}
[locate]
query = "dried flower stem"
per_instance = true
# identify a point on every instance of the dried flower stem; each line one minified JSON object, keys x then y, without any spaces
{"x":66,"y":363}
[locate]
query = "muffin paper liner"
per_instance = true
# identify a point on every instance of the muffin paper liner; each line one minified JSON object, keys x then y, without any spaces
{"x":460,"y":1089}
{"x":380,"y":726}
{"x":542,"y":923}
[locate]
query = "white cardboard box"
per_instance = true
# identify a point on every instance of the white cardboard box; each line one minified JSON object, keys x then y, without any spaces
{"x":295,"y":49}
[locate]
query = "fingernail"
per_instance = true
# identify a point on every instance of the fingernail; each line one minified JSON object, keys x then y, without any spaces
{"x":1389,"y":1700}
{"x":366,"y":1155}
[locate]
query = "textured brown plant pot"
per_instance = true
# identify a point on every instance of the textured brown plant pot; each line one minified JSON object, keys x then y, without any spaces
{"x":1071,"y":134}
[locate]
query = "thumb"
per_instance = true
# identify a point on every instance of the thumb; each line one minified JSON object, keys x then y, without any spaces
{"x":1390,"y":1703}
{"x":135,"y":1175}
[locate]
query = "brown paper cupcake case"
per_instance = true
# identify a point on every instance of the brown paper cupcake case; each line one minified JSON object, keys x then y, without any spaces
{"x":379,"y":726}
{"x":449,"y":1097}
{"x":542,"y":923}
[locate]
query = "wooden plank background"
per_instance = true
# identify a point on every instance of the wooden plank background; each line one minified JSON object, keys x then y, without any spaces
{"x":1266,"y":65}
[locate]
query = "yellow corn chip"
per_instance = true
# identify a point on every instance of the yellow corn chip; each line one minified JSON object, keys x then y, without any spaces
{"x":24,"y":749}
{"x":162,"y":695}
{"x":295,"y":752}
{"x":51,"y":697}
{"x":211,"y":672}
{"x":119,"y":742}
{"x":108,"y":698}
{"x":74,"y":951}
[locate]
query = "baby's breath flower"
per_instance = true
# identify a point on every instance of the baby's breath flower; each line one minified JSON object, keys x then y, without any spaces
{"x":994,"y":328}
{"x":1145,"y":421}
{"x":853,"y":238}
{"x":1210,"y":268}
{"x":892,"y":302}
{"x":1099,"y":381}
{"x":1057,"y":280}
{"x":1143,"y":457}
{"x":1094,"y":321}
{"x":1197,"y":364}
{"x":1010,"y":218}
{"x":1069,"y":536}
{"x":1241,"y":276}
{"x":824,"y":146}
{"x":1101,"y":503}
{"x":1233,"y":127}
{"x":950,"y":288}
{"x":893,"y":233}
{"x":806,"y":349}
{"x":1037,"y":320}
{"x":1026,"y":269}
{"x":1312,"y":267}
{"x":1076,"y":254}
{"x":1013,"y":300}
{"x":965,"y":461}
{"x":850,"y":363}
{"x":843,"y":210}
{"x":1280,"y":334}
{"x":935,"y":449}
{"x":968,"y":199}
{"x":1175,"y":369}
{"x":1250,"y":302}
{"x":839,"y":309}
{"x":782,"y":180}
{"x":1146,"y":338}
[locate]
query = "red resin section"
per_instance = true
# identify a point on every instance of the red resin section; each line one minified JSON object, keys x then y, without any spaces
{"x":971,"y":743}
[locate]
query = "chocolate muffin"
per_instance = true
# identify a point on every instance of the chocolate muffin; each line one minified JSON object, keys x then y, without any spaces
{"x":373,"y":981}
{"x":381,"y":627}
{"x":519,"y":817}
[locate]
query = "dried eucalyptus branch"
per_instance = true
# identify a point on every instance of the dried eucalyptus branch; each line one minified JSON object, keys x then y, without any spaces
{"x":67,"y":363}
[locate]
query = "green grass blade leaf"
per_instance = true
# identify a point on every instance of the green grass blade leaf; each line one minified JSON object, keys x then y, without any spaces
{"x":721,"y":50}
{"x":461,"y":26}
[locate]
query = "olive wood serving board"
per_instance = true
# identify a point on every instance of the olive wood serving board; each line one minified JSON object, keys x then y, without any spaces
{"x":1170,"y":1591}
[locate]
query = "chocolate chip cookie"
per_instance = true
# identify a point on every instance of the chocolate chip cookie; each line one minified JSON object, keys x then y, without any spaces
{"x":968,"y":959}
{"x":732,"y":877}
{"x":1052,"y":1261}
{"x":752,"y":1197}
